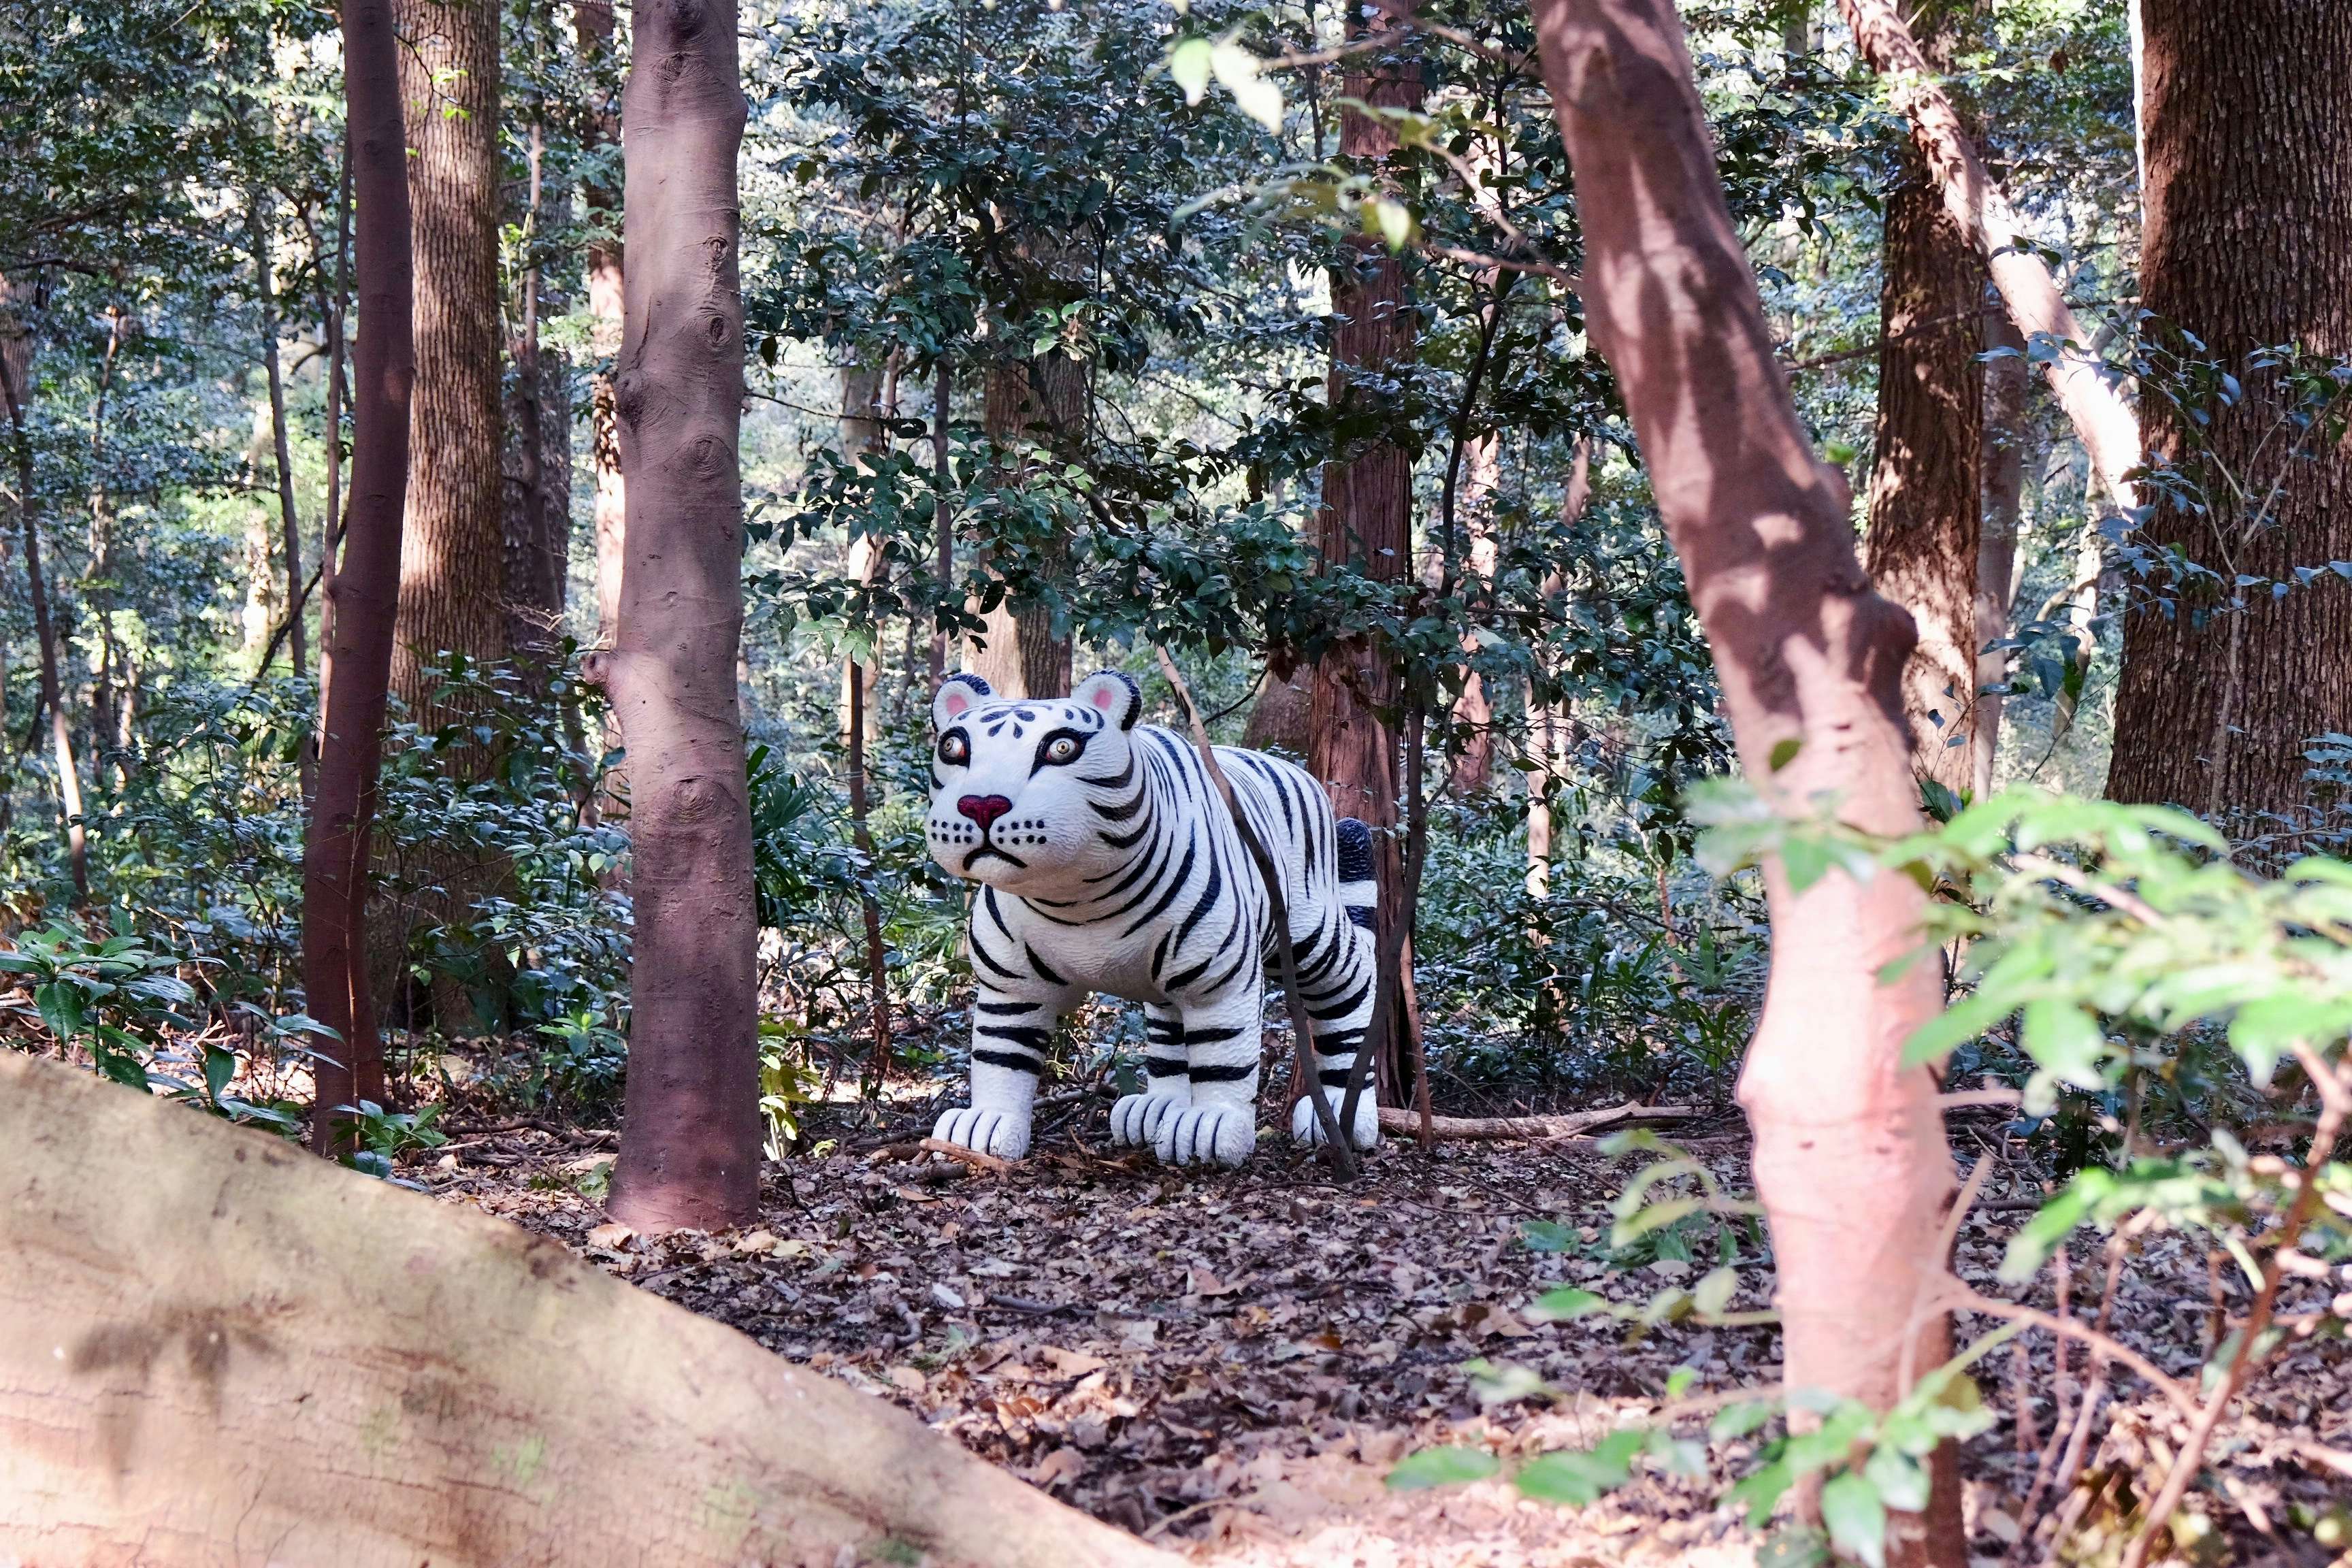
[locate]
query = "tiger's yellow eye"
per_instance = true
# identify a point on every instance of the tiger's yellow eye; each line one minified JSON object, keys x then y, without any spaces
{"x":954,"y":748}
{"x":1062,"y":751}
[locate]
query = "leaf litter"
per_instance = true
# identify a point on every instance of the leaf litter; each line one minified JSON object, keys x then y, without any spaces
{"x":1233,"y":1364}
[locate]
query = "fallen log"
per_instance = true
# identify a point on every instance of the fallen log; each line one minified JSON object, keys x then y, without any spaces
{"x":221,"y":1350}
{"x":1395,"y":1118}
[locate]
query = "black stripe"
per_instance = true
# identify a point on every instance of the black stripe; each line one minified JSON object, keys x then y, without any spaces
{"x":1234,"y":1073}
{"x":1208,"y":896}
{"x":1036,"y":1039}
{"x":1362,"y":916}
{"x":1212,"y":1036}
{"x":1009,"y":1009}
{"x":1125,"y":778}
{"x":1175,"y":885}
{"x":1039,"y":964}
{"x":1008,"y":1059}
{"x":1341,"y":1009}
{"x":1189,"y":976}
{"x":1119,"y":813}
{"x":982,"y":954}
{"x":1335,"y":1078}
{"x":1158,"y":1068}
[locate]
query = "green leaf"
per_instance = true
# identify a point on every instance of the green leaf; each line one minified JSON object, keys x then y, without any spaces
{"x":1807,"y":861}
{"x":1442,"y":1467}
{"x":1739,"y":1420}
{"x":1760,"y":1489}
{"x":2067,"y":1040}
{"x":1547,"y":1236}
{"x":1856,"y":1518}
{"x":1188,"y":63}
{"x":1578,"y":1477}
{"x":1784,"y":752}
{"x":1255,"y":94}
{"x":1565,"y":1303}
{"x":1395,"y":222}
{"x":1714,"y":1291}
{"x":1900,"y":1480}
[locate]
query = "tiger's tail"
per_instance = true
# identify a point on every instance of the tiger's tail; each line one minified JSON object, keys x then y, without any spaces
{"x":1359,"y":888}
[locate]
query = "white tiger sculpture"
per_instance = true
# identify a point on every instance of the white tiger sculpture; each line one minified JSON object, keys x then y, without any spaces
{"x":1106,"y":861}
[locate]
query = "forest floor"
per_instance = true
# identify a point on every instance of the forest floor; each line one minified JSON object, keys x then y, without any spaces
{"x":1232,"y":1362}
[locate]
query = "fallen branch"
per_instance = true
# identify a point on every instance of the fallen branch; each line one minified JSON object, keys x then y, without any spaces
{"x":987,"y":1163}
{"x":1495,"y":1129}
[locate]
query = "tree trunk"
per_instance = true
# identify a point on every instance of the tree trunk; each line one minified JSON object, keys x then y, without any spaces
{"x":2108,"y":428}
{"x":690,"y":1139}
{"x":942,"y":519}
{"x":1810,"y":662}
{"x":356,"y":665}
{"x":862,"y":435}
{"x":1366,"y":524}
{"x":2248,"y":244}
{"x":289,"y":516}
{"x":453,"y":553}
{"x":538,"y":465}
{"x":593,"y":25}
{"x":16,"y":390}
{"x":1020,"y":654}
{"x":1925,"y":481}
{"x":218,"y":1353}
{"x":1474,"y":713}
{"x":2006,"y":435}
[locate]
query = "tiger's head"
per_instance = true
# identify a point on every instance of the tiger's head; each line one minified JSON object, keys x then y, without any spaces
{"x":1035,"y":795}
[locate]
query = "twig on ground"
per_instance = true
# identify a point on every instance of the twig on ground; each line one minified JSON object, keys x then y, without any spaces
{"x":987,"y":1163}
{"x":1396,"y":1118}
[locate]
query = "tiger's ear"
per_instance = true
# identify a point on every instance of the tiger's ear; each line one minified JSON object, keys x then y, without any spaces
{"x":1113,"y":695}
{"x":957,"y":695}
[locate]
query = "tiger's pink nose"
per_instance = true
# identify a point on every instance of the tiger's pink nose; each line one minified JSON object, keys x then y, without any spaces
{"x":984,"y":808}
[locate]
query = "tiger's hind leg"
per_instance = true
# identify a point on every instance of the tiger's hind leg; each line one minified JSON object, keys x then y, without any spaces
{"x":1136,"y":1120}
{"x":1337,"y":969}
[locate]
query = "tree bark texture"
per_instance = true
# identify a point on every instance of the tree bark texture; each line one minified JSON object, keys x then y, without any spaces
{"x":862,"y":435}
{"x":2248,"y":244}
{"x":220,"y":1352}
{"x":1365,"y":519}
{"x":1809,"y":655}
{"x":593,"y":25}
{"x":1926,"y":480}
{"x":2006,"y":436}
{"x":691,"y":1138}
{"x":2095,"y":407}
{"x":356,"y":658}
{"x":452,"y":552}
{"x":1020,"y":654}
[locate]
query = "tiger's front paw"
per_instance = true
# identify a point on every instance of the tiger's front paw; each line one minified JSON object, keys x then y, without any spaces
{"x":1207,"y":1135}
{"x":1004,"y":1134}
{"x":1307,"y":1128}
{"x":1136,"y":1120}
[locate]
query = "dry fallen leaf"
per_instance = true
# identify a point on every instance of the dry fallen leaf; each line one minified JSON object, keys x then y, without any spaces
{"x":756,"y":1241}
{"x":612,"y":1235}
{"x":909,"y":1378}
{"x":1061,"y":1465}
{"x":1072,"y":1364}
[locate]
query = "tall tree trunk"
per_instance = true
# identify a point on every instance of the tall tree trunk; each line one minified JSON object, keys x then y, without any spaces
{"x":2108,"y":428}
{"x":1365,"y":519}
{"x":2247,"y":243}
{"x":942,"y":520}
{"x":289,"y":517}
{"x":1020,"y":654}
{"x":592,"y":25}
{"x":1473,"y":711}
{"x":538,"y":466}
{"x":863,"y":435}
{"x":1810,"y":660}
{"x":2006,"y":435}
{"x":15,"y":387}
{"x":355,"y":664}
{"x":690,"y":1141}
{"x":453,"y":555}
{"x":1925,"y":481}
